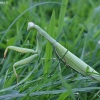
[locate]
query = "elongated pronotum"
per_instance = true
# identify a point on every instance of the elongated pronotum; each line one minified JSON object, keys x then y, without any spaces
{"x":72,"y":60}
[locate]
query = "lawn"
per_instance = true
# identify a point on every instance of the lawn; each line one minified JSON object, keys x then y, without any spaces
{"x":75,"y":24}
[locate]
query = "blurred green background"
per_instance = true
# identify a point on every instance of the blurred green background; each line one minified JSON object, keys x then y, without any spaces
{"x":73,"y":23}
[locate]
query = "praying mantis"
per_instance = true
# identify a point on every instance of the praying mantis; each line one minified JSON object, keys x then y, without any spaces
{"x":73,"y":61}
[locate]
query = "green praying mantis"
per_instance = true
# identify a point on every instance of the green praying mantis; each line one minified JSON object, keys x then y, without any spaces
{"x":73,"y":61}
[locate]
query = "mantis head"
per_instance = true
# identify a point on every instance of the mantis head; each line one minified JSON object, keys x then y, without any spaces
{"x":30,"y":26}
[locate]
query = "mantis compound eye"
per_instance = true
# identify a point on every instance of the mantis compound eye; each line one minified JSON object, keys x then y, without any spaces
{"x":30,"y":26}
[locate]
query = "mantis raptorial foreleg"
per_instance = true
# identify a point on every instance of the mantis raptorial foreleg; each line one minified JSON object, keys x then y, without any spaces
{"x":24,"y":61}
{"x":24,"y":50}
{"x":19,"y":49}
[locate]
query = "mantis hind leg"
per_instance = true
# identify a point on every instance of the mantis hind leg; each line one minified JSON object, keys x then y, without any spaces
{"x":24,"y":61}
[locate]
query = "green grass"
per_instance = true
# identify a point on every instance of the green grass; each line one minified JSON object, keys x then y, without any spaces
{"x":73,"y":23}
